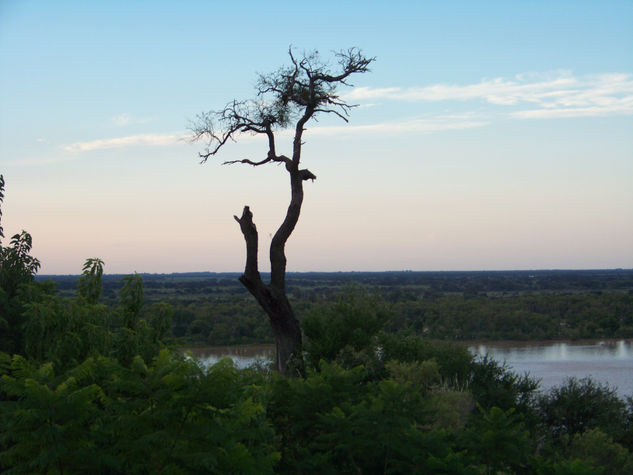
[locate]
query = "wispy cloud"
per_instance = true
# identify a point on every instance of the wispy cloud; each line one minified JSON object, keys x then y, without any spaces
{"x":566,"y":112}
{"x":127,"y":119}
{"x":526,"y":96}
{"x":559,"y":94}
{"x":418,"y":125}
{"x":130,"y":140}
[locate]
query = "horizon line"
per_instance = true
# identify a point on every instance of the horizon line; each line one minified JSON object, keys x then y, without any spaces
{"x":600,"y":269}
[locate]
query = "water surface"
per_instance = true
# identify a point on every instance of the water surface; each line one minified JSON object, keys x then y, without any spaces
{"x":243,"y":356}
{"x":605,"y":361}
{"x":551,"y":362}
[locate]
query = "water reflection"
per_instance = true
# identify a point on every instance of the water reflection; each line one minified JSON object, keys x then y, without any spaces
{"x":243,"y":356}
{"x":559,"y":351}
{"x":606,"y":361}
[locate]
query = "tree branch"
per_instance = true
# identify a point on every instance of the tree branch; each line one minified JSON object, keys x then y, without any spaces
{"x":332,"y":111}
{"x":247,"y":162}
{"x":280,"y":159}
{"x":306,"y":174}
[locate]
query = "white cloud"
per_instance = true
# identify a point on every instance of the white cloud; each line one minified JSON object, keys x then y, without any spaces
{"x":118,"y":142}
{"x":558,"y":94}
{"x":562,"y":112}
{"x":370,"y":93}
{"x":436,"y":124}
{"x":121,"y":119}
{"x":126,"y":119}
{"x":530,"y":96}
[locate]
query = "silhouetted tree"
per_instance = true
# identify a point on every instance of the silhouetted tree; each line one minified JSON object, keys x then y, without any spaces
{"x":289,"y":97}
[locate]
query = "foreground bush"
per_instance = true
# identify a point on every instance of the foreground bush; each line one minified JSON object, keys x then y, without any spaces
{"x":102,"y":417}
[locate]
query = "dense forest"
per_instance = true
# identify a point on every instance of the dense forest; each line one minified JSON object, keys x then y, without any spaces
{"x":92,"y":381}
{"x":215,"y":309}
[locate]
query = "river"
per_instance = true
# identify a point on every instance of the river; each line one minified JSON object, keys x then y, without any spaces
{"x":551,"y":362}
{"x":605,"y":361}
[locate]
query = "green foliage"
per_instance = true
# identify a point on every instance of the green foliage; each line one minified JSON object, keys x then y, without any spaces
{"x":509,"y":316}
{"x":215,"y":309}
{"x":47,"y":413}
{"x":101,"y":417}
{"x":381,"y":434}
{"x":16,"y":265}
{"x":450,"y":408}
{"x":95,"y":393}
{"x":12,"y":338}
{"x":344,"y":330}
{"x":420,"y":374}
{"x":135,"y":335}
{"x":160,"y":320}
{"x":498,"y":440}
{"x":297,"y":405}
{"x":580,"y":405}
{"x":64,"y":331}
{"x":597,"y":448}
{"x":90,"y":286}
{"x":332,"y":422}
{"x":566,"y":467}
{"x":494,"y":384}
{"x":131,"y":298}
{"x":454,"y":361}
{"x":17,"y":269}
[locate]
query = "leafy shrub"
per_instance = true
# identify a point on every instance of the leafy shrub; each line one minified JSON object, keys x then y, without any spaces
{"x":449,"y":408}
{"x":598,"y":448}
{"x":335,"y":421}
{"x":344,"y":330}
{"x":579,"y":405}
{"x":420,"y":374}
{"x":495,"y":384}
{"x":498,"y":440}
{"x":102,"y":417}
{"x":454,"y":361}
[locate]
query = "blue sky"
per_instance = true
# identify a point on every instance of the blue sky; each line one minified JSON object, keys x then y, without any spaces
{"x":489,"y":135}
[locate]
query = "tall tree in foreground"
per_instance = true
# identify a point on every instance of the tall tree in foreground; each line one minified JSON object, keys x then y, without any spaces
{"x":289,"y":97}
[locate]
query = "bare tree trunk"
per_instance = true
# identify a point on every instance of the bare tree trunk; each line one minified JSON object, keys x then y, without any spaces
{"x":272,"y":297}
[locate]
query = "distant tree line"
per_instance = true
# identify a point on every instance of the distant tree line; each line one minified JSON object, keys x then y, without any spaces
{"x":392,"y":285}
{"x":457,"y":318}
{"x":214,"y":309}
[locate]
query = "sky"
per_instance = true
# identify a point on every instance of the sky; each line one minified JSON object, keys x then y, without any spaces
{"x":488,"y":135}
